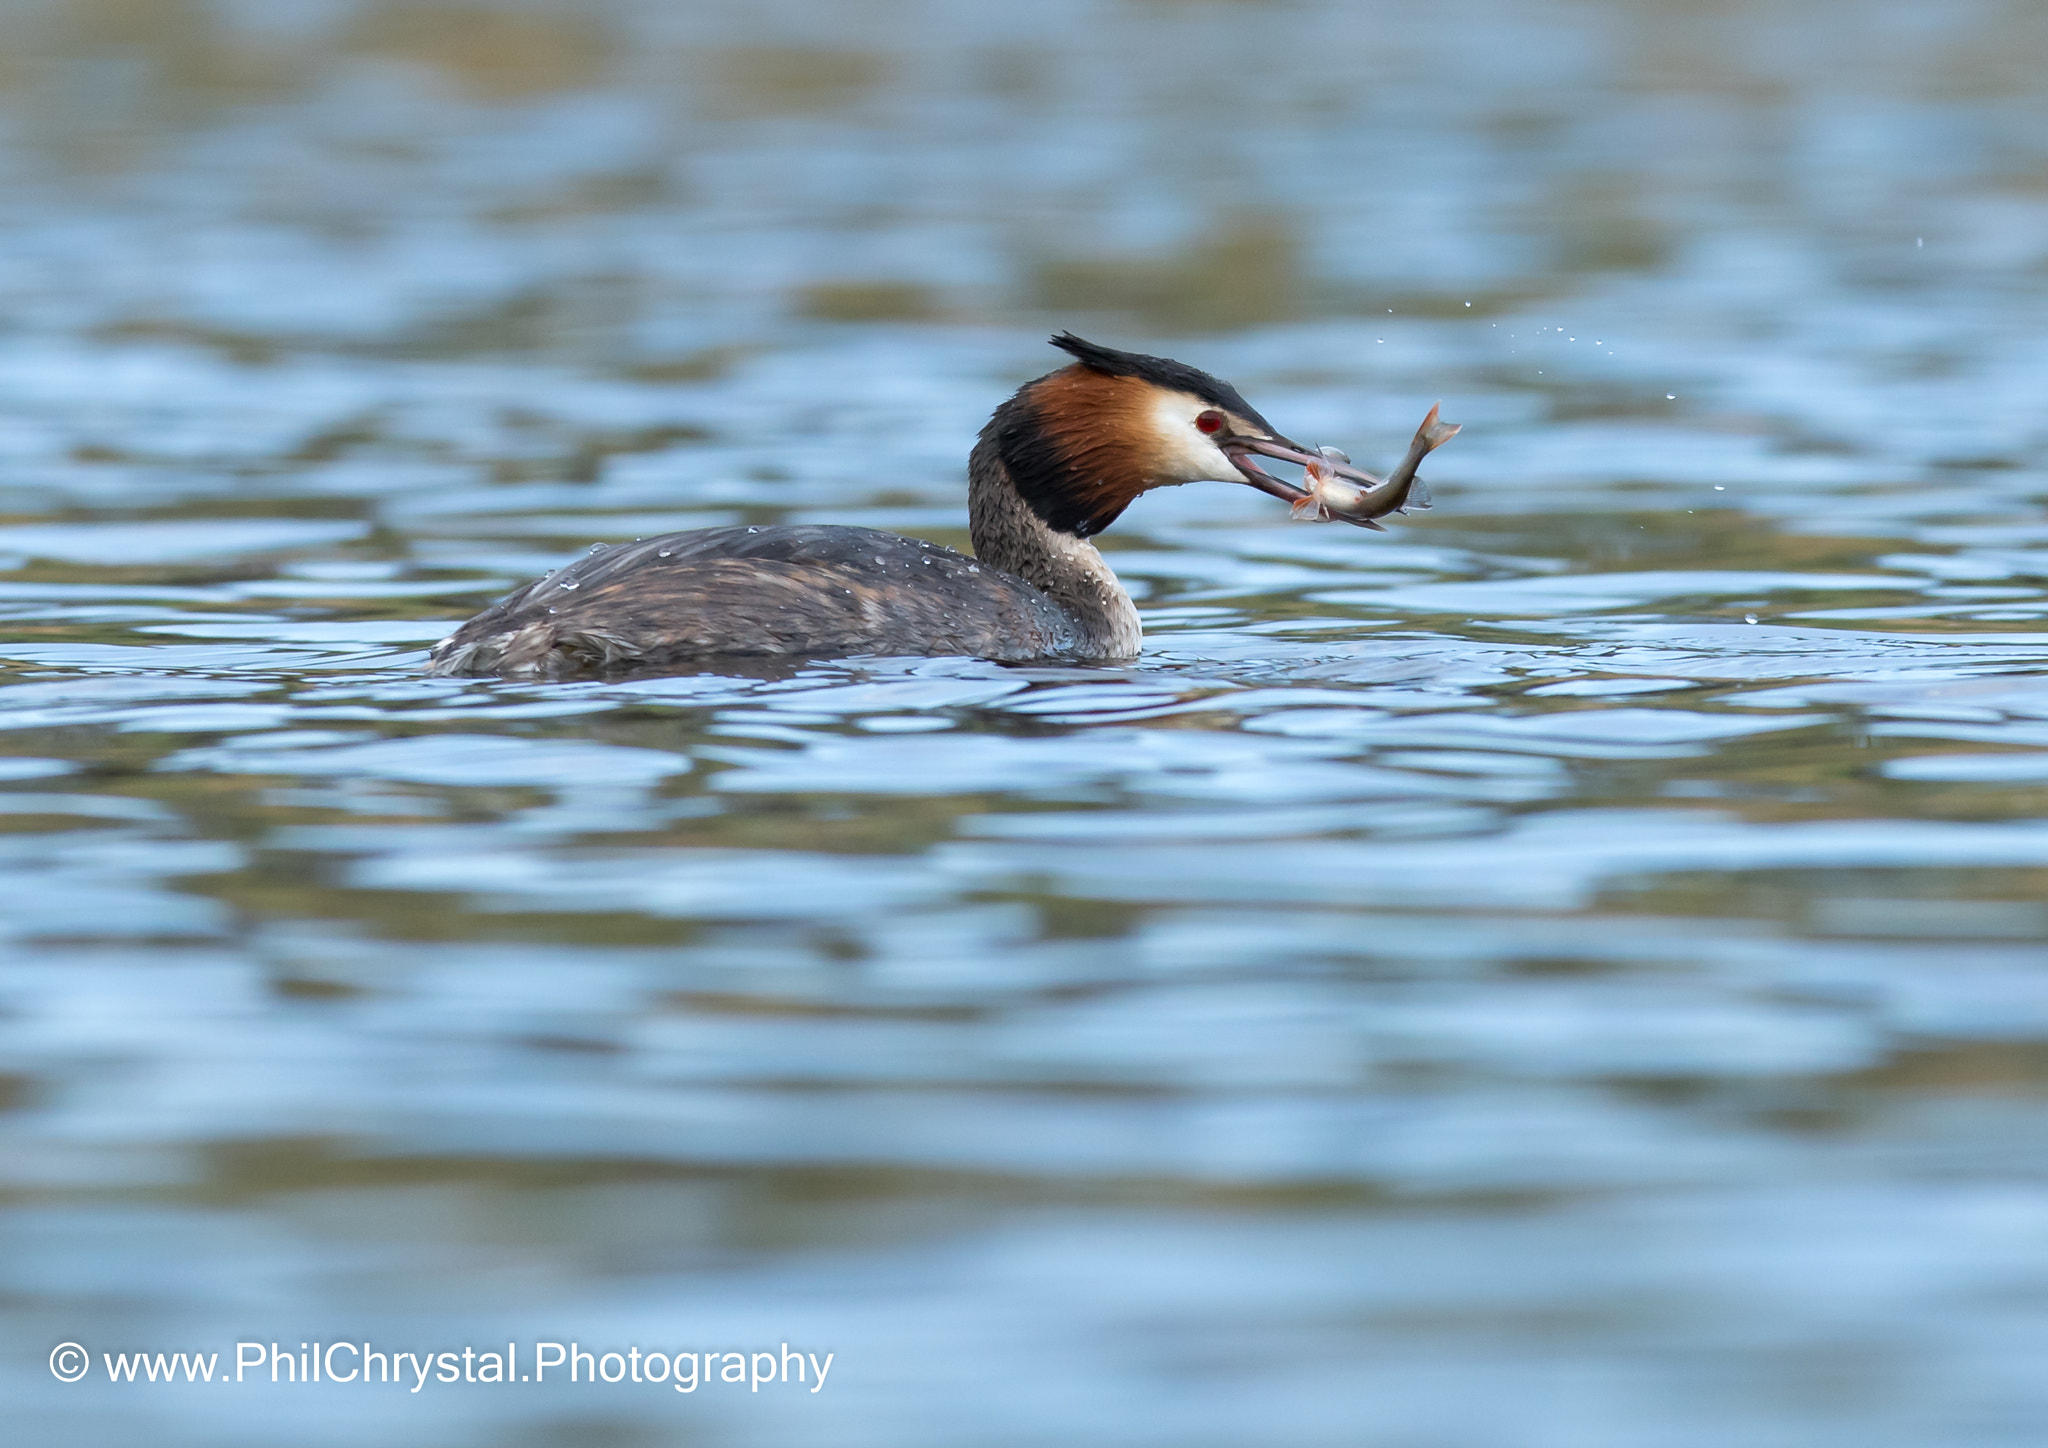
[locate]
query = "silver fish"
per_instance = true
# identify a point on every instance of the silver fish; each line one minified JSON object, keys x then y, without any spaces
{"x":1331,"y":495}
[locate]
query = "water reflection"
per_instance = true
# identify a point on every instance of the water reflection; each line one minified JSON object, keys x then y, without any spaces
{"x":1587,"y":942}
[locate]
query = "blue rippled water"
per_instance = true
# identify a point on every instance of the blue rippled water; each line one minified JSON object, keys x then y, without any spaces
{"x":1572,"y":970}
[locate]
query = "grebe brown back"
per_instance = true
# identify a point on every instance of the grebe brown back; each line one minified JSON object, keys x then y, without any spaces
{"x":1055,"y":465}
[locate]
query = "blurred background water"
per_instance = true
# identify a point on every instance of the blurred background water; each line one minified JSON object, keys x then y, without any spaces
{"x":1569,"y":971}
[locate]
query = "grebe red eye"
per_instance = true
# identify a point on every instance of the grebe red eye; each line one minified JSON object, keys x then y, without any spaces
{"x":1211,"y":421}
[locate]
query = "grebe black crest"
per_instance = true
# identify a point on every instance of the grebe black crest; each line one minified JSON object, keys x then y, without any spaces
{"x":1059,"y":461}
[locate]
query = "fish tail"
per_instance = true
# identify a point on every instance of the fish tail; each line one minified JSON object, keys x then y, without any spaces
{"x":1434,"y":434}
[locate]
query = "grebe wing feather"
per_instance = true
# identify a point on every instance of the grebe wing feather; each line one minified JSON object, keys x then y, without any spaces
{"x":798,"y":590}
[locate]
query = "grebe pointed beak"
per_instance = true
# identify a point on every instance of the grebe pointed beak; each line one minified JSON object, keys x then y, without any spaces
{"x":1238,"y":448}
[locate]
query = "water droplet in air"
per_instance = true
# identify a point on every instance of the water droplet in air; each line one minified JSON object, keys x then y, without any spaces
{"x":1671,"y":397}
{"x":1719,"y":488}
{"x":1749,"y":618}
{"x":1468,"y":304}
{"x":753,"y":530}
{"x":666,"y":553}
{"x":567,"y":586}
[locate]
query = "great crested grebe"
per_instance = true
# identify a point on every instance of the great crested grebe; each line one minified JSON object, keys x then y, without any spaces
{"x":1054,"y":466}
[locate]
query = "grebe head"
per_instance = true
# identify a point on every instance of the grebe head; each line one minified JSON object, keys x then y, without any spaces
{"x":1080,"y":443}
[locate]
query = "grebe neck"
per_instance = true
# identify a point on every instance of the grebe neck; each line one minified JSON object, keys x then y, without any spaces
{"x":1008,"y":534}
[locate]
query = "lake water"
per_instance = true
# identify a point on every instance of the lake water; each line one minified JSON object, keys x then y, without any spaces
{"x":1570,"y":971}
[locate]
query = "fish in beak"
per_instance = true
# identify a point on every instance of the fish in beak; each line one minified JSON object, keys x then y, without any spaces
{"x":1331,"y":487}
